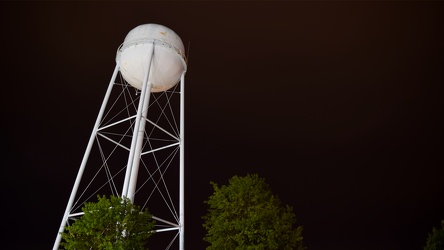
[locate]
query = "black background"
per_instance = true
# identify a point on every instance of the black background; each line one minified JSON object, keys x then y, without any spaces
{"x":338,"y":105}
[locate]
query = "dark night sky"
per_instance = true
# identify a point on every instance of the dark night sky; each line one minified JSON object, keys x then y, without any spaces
{"x":338,"y":105}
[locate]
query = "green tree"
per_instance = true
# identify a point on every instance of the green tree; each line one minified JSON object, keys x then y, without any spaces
{"x":246,"y":215}
{"x":109,"y":224}
{"x":435,"y":240}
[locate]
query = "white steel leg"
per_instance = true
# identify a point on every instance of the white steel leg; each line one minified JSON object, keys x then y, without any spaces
{"x":85,"y":158}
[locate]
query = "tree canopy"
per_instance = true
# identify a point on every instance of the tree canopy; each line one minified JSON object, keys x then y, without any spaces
{"x":246,"y":215}
{"x":109,"y":224}
{"x":435,"y":240}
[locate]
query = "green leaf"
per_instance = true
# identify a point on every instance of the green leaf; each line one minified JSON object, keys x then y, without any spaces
{"x":109,"y":224}
{"x":246,"y":215}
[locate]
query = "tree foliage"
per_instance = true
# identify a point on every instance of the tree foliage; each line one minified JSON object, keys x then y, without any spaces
{"x":246,"y":215}
{"x":435,"y":240}
{"x":109,"y":224}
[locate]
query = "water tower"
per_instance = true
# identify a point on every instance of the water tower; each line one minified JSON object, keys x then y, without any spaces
{"x":136,"y":148}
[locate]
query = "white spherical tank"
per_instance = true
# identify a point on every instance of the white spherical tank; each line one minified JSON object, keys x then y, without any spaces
{"x":167,"y":63}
